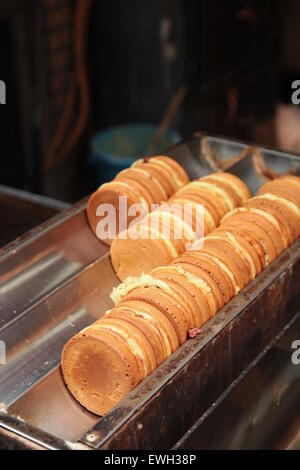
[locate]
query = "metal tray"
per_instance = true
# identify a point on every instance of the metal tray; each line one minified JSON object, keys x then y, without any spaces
{"x":56,"y":279}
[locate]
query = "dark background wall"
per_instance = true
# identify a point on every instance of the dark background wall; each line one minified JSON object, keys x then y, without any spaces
{"x":74,"y":67}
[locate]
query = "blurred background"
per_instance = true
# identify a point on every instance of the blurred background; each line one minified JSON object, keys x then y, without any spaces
{"x":75,"y":68}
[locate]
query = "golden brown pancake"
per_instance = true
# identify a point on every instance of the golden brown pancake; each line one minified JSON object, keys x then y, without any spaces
{"x":164,"y":235}
{"x":205,"y":195}
{"x":247,"y":214}
{"x":177,"y":172}
{"x":99,"y":369}
{"x":284,"y":188}
{"x":245,"y":233}
{"x":282,"y":241}
{"x":131,"y":257}
{"x":211,"y":265}
{"x":239,"y":187}
{"x":106,"y":360}
{"x":245,"y":248}
{"x":184,"y":302}
{"x":195,"y":215}
{"x":290,"y":178}
{"x":174,"y":230}
{"x":269,"y":207}
{"x":138,"y":343}
{"x":214,"y":295}
{"x":223,"y":260}
{"x":146,"y":180}
{"x":145,"y":183}
{"x":225,"y":186}
{"x":237,"y":265}
{"x":210,"y":205}
{"x":139,"y":187}
{"x":161,"y":237}
{"x":182,"y":219}
{"x":281,"y":211}
{"x":160,"y":174}
{"x":147,"y":327}
{"x":262,"y":237}
{"x":155,"y":182}
{"x":164,"y":326}
{"x":110,"y":194}
{"x":163,"y":302}
{"x":182,"y":278}
{"x":289,"y":194}
{"x":181,"y":292}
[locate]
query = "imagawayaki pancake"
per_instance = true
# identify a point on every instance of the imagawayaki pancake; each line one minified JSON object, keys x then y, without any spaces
{"x":182,"y":294}
{"x":106,"y":360}
{"x":194,"y":257}
{"x":263,"y":242}
{"x":137,"y":342}
{"x":139,"y":187}
{"x":177,"y":172}
{"x":166,"y":286}
{"x":160,"y":174}
{"x":248,"y":214}
{"x":226,"y":188}
{"x":167,"y":232}
{"x":210,"y":206}
{"x":146,"y":183}
{"x":156,"y":186}
{"x":214,"y":268}
{"x":131,"y":257}
{"x":206,"y":283}
{"x":239,"y":187}
{"x":239,"y":266}
{"x":281,"y":210}
{"x":215,"y":205}
{"x":195,"y":215}
{"x":168,"y":334}
{"x":148,"y":328}
{"x":282,"y":188}
{"x":245,"y":249}
{"x":109,"y":194}
{"x":166,"y":304}
{"x":273,"y":220}
{"x":290,"y":178}
{"x":145,"y":280}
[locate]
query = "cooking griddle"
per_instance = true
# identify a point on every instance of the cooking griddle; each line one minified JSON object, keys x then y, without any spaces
{"x":56,"y":279}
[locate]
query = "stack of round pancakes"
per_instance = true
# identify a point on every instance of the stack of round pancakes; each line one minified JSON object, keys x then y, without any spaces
{"x":149,"y":181}
{"x":153,"y":316}
{"x":162,"y":235}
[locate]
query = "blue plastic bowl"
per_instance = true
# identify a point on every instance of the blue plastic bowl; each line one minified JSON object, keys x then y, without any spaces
{"x":116,"y":148}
